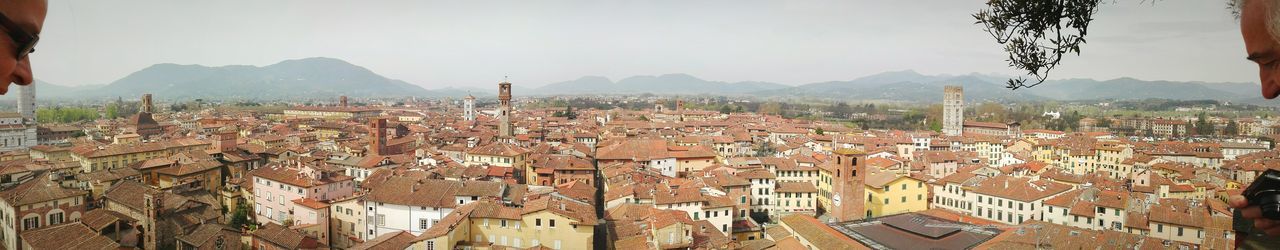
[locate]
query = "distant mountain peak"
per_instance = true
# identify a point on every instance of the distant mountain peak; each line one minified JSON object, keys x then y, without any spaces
{"x":305,"y":78}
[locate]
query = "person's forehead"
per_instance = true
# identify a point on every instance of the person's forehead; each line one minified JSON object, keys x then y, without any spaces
{"x":29,"y":14}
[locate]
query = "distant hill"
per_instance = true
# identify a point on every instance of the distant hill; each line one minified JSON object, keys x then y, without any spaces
{"x":463,"y":92}
{"x":301,"y":78}
{"x":682,"y":84}
{"x":327,"y":77}
{"x":905,"y":86}
{"x":914,"y":87}
{"x":1129,"y":88}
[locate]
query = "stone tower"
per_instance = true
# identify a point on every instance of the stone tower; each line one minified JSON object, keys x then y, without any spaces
{"x":342,"y":101}
{"x":146,"y":103}
{"x":153,"y":205}
{"x":27,"y":109}
{"x":225,"y":139}
{"x":953,"y":110}
{"x":27,"y":102}
{"x":504,"y":110}
{"x":848,"y":202}
{"x":469,"y":108}
{"x":379,"y":132}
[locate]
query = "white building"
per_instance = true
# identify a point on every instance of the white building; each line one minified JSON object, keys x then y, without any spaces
{"x":707,"y":204}
{"x":414,"y":205}
{"x":1011,"y":200}
{"x":469,"y":108}
{"x":18,"y":130}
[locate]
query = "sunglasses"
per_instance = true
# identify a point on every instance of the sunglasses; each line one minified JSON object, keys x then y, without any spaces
{"x":25,"y":41}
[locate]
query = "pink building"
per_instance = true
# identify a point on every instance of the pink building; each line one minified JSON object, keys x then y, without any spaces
{"x":294,"y":192}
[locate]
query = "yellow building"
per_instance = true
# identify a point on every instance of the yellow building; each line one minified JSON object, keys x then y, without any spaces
{"x":331,"y":113}
{"x":796,"y":197}
{"x":551,"y":222}
{"x":825,"y":178}
{"x":346,"y":223}
{"x":888,"y":194}
{"x":183,"y":169}
{"x":502,"y":155}
{"x":93,"y":158}
{"x":51,"y":153}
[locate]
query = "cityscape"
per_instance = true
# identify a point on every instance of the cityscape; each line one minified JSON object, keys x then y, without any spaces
{"x":800,"y":136}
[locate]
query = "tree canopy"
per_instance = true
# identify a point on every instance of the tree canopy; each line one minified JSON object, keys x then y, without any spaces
{"x":1037,"y":33}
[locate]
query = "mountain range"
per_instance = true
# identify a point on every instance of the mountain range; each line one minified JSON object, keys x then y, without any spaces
{"x":328,"y":77}
{"x":301,"y":78}
{"x":679,"y":84}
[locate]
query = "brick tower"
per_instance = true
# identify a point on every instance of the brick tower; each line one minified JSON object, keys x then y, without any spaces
{"x":504,"y":110}
{"x":379,"y":132}
{"x":850,"y":180}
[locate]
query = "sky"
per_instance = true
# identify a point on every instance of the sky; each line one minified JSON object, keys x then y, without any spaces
{"x":476,"y":43}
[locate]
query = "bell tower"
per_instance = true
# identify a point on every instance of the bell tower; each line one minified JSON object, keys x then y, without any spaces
{"x":848,"y":201}
{"x":504,"y":109}
{"x":469,"y":108}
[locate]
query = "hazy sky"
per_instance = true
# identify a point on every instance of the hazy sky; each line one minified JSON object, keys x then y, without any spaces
{"x":476,"y":43}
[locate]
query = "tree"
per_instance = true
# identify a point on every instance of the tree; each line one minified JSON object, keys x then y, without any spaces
{"x":818,"y":131}
{"x":771,"y":108}
{"x":724,"y":109}
{"x":841,"y":110}
{"x":1232,"y":128}
{"x":113,"y":111}
{"x":1071,"y":121}
{"x":1037,"y":33}
{"x":240,"y":217}
{"x":765,"y":149}
{"x":1202,"y":125}
{"x":990,"y":111}
{"x":1103,"y":122}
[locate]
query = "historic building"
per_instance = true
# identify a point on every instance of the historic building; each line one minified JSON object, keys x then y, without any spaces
{"x":18,"y":131}
{"x":142,"y":123}
{"x":504,"y":110}
{"x":469,"y":108}
{"x":953,"y":110}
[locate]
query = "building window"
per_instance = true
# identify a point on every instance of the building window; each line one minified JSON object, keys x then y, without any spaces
{"x":552,"y":224}
{"x":422,"y":224}
{"x":55,"y":218}
{"x":537,"y":222}
{"x":30,"y":223}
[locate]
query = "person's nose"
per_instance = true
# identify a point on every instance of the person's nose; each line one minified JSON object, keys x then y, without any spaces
{"x":22,"y":73}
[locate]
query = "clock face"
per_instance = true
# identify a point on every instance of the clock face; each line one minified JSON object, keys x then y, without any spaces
{"x":836,"y":199}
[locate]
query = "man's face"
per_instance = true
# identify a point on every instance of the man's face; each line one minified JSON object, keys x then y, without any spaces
{"x":28,"y":14}
{"x":1260,"y":45}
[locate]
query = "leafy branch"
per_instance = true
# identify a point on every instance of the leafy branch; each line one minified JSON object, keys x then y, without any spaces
{"x":1037,"y":33}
